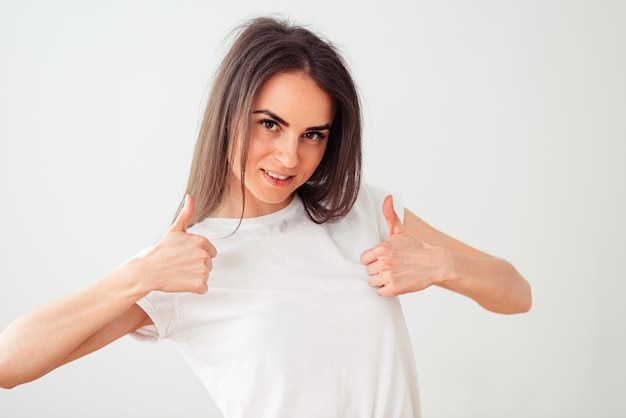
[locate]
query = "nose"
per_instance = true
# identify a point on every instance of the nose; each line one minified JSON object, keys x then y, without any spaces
{"x":287,"y":151}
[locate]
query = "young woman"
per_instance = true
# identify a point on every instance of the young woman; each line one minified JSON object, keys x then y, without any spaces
{"x":278,"y":278}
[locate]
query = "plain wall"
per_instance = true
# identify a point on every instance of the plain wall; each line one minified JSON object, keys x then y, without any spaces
{"x":501,"y":123}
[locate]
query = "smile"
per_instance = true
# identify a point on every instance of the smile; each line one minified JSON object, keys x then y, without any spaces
{"x":276,"y":176}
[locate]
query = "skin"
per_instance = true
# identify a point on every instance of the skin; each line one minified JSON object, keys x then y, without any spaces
{"x":416,"y":256}
{"x":291,"y":120}
{"x":288,"y":138}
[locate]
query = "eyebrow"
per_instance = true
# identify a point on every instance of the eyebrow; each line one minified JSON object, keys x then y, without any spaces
{"x":284,"y":122}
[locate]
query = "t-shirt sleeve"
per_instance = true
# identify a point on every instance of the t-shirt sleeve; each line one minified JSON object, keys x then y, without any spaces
{"x":161,"y":308}
{"x":150,"y":333}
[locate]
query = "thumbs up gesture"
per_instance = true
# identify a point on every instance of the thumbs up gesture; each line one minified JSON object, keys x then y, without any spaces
{"x":179,"y":261}
{"x":402,"y":263}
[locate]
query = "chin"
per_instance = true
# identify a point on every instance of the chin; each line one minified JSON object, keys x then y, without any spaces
{"x":267,"y":195}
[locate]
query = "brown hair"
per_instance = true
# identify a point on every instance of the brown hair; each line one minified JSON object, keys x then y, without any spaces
{"x":265,"y":47}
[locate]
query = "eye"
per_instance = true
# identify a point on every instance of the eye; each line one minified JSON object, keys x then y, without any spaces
{"x":269,"y":124}
{"x":314,"y":136}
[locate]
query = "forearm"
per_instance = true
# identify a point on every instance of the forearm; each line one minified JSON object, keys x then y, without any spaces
{"x":87,"y":320}
{"x":40,"y":340}
{"x":492,"y":282}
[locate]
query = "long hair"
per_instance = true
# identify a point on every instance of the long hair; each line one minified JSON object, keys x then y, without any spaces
{"x":265,"y":47}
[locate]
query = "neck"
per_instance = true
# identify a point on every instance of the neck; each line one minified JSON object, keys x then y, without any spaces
{"x":234,"y":201}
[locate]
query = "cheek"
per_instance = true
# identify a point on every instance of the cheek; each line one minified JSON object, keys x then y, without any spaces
{"x":256,"y":152}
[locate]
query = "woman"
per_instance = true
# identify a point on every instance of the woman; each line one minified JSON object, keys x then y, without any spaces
{"x":277,"y":279}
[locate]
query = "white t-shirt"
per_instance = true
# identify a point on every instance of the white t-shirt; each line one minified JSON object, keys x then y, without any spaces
{"x":289,"y":326}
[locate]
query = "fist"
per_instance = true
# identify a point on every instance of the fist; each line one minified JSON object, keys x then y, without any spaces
{"x":402,"y":263}
{"x":179,"y":261}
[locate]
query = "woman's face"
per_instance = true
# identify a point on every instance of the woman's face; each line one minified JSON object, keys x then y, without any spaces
{"x":289,"y":127}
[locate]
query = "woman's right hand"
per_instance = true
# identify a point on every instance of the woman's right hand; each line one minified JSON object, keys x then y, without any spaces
{"x":78,"y":324}
{"x":179,"y":261}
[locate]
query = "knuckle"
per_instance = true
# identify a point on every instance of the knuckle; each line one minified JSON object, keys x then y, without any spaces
{"x":392,"y":291}
{"x":200,"y":240}
{"x":200,"y":288}
{"x":385,"y":264}
{"x":204,"y":257}
{"x":199,"y":285}
{"x":204,"y":272}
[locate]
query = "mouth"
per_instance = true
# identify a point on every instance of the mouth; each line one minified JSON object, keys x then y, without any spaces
{"x":276,"y":176}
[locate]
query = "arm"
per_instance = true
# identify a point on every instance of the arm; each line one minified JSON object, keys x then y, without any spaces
{"x":78,"y":324}
{"x":416,"y":256}
{"x":56,"y":333}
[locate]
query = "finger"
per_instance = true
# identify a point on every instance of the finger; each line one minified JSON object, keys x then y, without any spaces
{"x":375,"y":280}
{"x":209,"y":247}
{"x":372,"y":269}
{"x":395,"y":224}
{"x":385,"y":291}
{"x":184,"y":216}
{"x":212,"y":250}
{"x":368,"y":257}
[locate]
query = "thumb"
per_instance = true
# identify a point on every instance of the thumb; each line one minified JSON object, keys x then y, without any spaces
{"x":184,"y":216}
{"x":395,"y":224}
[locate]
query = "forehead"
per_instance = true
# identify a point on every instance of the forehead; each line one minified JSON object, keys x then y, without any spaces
{"x":296,"y":98}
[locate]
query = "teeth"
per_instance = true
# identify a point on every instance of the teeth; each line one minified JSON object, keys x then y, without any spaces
{"x":276,"y":176}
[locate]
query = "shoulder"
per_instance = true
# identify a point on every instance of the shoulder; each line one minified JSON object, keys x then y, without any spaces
{"x":367,"y":212}
{"x":371,"y":198}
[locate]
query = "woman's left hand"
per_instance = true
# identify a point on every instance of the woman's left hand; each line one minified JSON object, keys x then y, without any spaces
{"x":403,"y":263}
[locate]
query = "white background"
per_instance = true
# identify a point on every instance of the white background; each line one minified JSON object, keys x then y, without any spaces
{"x":501,"y":123}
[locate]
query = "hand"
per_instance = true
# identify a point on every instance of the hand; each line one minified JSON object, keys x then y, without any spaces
{"x":402,"y":263}
{"x":179,"y":262}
